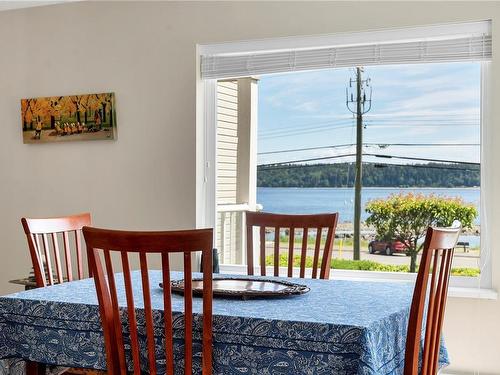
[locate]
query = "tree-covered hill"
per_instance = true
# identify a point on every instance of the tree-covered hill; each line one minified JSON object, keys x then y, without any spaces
{"x":342,"y":175}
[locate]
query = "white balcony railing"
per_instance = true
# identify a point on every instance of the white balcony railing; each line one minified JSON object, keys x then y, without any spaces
{"x":231,"y":233}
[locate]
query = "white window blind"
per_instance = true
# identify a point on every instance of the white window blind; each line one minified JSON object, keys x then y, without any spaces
{"x":472,"y":45}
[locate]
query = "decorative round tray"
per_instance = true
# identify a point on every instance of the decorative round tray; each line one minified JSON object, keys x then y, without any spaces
{"x":243,"y":287}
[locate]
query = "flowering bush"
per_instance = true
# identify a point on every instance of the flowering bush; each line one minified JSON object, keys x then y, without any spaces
{"x":405,"y":217}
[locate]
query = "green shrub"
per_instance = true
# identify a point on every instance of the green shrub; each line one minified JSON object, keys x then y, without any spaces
{"x":463,"y":271}
{"x":363,"y":265}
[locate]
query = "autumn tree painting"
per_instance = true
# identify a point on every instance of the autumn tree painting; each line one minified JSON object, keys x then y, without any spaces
{"x":68,"y":118}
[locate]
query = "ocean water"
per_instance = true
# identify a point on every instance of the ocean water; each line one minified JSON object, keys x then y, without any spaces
{"x":341,"y":200}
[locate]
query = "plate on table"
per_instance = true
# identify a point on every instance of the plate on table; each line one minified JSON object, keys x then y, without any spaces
{"x":243,"y":287}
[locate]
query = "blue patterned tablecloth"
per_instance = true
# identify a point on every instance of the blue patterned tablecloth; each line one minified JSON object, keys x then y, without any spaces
{"x":339,"y":327}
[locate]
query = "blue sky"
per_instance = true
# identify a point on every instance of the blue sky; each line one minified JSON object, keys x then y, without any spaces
{"x":427,"y":103}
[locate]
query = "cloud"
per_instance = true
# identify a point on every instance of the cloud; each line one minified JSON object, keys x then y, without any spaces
{"x":308,"y":106}
{"x":440,"y":99}
{"x":335,"y":153}
{"x":468,"y":113}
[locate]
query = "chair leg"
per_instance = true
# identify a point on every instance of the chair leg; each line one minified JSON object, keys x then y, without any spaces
{"x":35,"y":368}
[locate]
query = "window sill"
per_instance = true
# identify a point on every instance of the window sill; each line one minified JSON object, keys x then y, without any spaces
{"x":461,"y":286}
{"x":475,"y":293}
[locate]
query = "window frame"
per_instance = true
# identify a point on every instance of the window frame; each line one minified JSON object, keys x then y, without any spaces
{"x":206,"y":142}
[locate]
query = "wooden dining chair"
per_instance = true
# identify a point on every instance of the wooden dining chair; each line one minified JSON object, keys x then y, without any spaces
{"x":317,"y":222}
{"x":102,"y":243}
{"x":44,"y":236}
{"x":436,"y":262}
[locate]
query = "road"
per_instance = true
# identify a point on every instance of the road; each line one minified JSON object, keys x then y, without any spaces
{"x":460,"y":259}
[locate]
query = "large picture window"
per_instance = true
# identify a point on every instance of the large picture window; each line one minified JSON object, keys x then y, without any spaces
{"x":281,"y":135}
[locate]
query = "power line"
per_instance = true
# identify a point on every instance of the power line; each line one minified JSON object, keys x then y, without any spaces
{"x":388,"y":118}
{"x":382,"y":145}
{"x":421,"y":159}
{"x":400,"y":124}
{"x":423,"y":144}
{"x":369,"y":154}
{"x":305,"y":149}
{"x":413,"y":115}
{"x":306,"y":160}
{"x":284,"y":132}
{"x":379,"y":119}
{"x":321,"y":125}
{"x":425,"y":166}
{"x":305,"y":125}
{"x":436,"y":119}
{"x":341,"y":121}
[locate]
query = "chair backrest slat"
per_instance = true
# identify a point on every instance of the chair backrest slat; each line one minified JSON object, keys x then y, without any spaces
{"x":188,"y":315}
{"x":114,"y":303}
{"x":327,"y":254}
{"x":438,"y":249}
{"x":57,"y":258}
{"x":262,"y":250}
{"x":37,"y":233}
{"x":46,"y":251}
{"x":67,"y":254}
{"x":167,"y":316}
{"x":144,"y":243}
{"x":291,"y":245}
{"x":316,"y":253}
{"x":148,"y":312}
{"x":132,"y":318}
{"x":303,"y":253}
{"x":78,"y":244}
{"x":37,"y":258}
{"x":442,"y":305}
{"x":433,"y":312}
{"x":249,"y":238}
{"x":276,"y":251}
{"x":432,"y":301}
{"x":106,"y":312}
{"x":207,"y":323}
{"x":309,"y":225}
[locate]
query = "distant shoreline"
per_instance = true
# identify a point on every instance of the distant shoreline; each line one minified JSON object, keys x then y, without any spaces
{"x":376,"y":175}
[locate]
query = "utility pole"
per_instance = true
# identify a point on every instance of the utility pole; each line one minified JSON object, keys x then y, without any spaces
{"x":363,"y":105}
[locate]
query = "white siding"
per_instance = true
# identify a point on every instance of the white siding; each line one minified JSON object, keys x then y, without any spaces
{"x":227,"y":167}
{"x":227,"y":141}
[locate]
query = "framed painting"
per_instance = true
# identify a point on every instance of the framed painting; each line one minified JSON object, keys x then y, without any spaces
{"x":68,"y":118}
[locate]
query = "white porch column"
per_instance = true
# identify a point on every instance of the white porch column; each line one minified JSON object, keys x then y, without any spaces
{"x":247,"y":141}
{"x":247,"y":153}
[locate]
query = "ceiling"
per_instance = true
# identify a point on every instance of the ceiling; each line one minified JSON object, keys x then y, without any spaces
{"x":8,"y":5}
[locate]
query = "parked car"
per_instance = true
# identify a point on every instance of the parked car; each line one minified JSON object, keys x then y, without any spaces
{"x":386,"y":247}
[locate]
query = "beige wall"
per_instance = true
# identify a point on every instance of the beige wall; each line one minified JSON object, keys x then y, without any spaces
{"x":145,"y":53}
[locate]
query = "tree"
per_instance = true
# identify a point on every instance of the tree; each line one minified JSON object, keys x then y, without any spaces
{"x":40,"y":109}
{"x":55,"y":109}
{"x":405,"y":217}
{"x":27,"y":113}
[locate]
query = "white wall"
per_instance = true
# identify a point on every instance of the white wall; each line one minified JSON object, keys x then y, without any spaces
{"x":145,"y":53}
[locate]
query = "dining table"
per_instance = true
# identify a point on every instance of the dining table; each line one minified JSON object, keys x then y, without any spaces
{"x":339,"y":327}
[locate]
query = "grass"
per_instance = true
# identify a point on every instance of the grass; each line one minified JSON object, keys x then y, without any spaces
{"x":364,"y":265}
